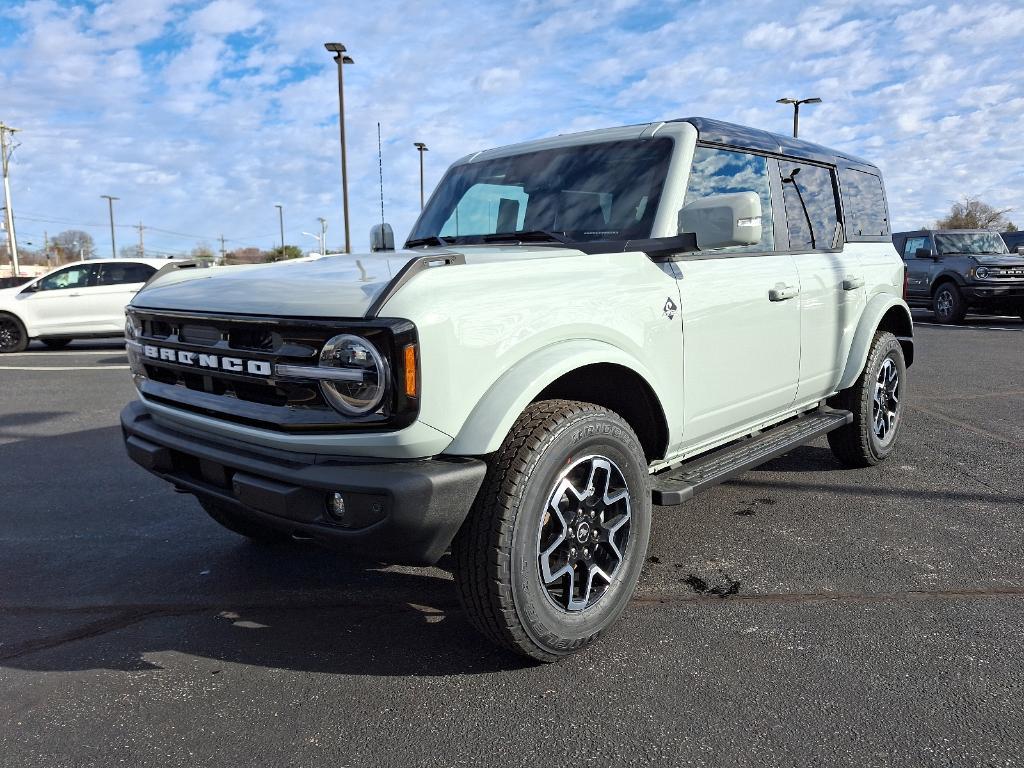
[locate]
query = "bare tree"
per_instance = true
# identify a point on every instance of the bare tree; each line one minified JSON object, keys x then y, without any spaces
{"x":972,"y":213}
{"x":72,"y":242}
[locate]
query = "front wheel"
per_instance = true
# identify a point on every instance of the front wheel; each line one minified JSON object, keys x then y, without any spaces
{"x":876,"y":400}
{"x":948,"y":305}
{"x":13,"y":337}
{"x":553,"y":547}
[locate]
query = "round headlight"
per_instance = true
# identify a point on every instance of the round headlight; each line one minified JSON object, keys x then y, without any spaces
{"x":362,"y":374}
{"x":982,"y":273}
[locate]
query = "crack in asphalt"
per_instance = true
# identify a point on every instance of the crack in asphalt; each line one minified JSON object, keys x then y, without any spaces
{"x":132,"y":614}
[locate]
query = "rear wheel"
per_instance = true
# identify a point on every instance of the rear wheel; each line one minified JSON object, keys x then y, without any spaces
{"x":56,"y":343}
{"x":948,"y":305}
{"x":13,"y":337}
{"x":236,"y":523}
{"x":876,"y":401}
{"x":553,"y":547}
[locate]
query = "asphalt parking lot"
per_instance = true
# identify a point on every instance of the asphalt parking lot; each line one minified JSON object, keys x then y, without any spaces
{"x":871,"y":618}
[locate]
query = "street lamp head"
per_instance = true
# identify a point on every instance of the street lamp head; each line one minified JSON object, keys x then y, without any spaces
{"x":335,"y":47}
{"x":347,"y":60}
{"x":785,"y":101}
{"x":278,"y":205}
{"x":420,"y":146}
{"x":815,"y":100}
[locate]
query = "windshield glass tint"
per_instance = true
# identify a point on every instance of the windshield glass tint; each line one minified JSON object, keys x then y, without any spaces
{"x":606,"y":191}
{"x":971,"y":242}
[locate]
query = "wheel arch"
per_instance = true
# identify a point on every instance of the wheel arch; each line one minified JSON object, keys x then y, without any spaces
{"x":884,"y":312}
{"x":946,"y":277}
{"x":587,"y":370}
{"x":19,"y":319}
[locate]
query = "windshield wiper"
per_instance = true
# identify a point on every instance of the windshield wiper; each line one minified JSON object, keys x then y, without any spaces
{"x":527,"y":236}
{"x":432,"y":240}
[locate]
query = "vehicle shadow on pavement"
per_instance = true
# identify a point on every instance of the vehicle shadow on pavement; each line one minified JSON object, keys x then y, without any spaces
{"x":104,"y":567}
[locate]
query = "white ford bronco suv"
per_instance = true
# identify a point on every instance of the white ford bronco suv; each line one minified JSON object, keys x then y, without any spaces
{"x":577,"y":328}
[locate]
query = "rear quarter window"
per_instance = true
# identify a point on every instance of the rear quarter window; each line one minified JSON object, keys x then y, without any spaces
{"x":863,"y":204}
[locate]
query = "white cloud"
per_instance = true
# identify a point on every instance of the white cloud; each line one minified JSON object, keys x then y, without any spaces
{"x":225,"y":17}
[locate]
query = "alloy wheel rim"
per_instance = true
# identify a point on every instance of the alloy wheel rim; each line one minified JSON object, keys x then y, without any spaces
{"x":584,"y":533}
{"x":885,"y":404}
{"x":9,"y":335}
{"x":944,"y":303}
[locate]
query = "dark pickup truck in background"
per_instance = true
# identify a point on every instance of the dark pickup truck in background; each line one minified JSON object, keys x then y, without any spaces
{"x":953,"y":272}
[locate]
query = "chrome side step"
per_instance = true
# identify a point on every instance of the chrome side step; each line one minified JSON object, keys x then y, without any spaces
{"x":675,"y":486}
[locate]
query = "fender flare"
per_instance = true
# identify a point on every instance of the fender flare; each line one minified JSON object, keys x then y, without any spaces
{"x":877,"y":308}
{"x":947,"y":276}
{"x":493,"y":416}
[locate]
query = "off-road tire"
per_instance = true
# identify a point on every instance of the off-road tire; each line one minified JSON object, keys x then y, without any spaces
{"x":948,"y":305}
{"x":260,"y":534}
{"x":57,"y":342}
{"x":495,"y":554}
{"x":13,"y":337}
{"x":856,"y":444}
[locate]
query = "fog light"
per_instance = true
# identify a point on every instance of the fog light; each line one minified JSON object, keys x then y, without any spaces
{"x":336,"y":506}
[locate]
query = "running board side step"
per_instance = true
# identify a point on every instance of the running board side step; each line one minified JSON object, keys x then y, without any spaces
{"x":675,"y":486}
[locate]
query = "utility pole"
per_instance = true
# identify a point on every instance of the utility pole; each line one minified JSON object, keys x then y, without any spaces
{"x":323,"y":236}
{"x":280,"y":216}
{"x":421,"y":148}
{"x":5,"y":156}
{"x":223,"y":252}
{"x":796,"y":110}
{"x":142,"y":245}
{"x":113,"y":244}
{"x":46,"y":246}
{"x":339,"y":56}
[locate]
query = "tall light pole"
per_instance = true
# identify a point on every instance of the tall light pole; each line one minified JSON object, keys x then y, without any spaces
{"x":323,"y":235}
{"x":421,"y":148}
{"x":339,"y":56}
{"x":280,"y":218}
{"x":113,"y":244}
{"x":796,"y":110}
{"x":5,"y":156}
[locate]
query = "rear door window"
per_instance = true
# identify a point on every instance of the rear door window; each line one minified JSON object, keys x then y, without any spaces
{"x":811,"y":213}
{"x":863,"y":203}
{"x":129,"y":272}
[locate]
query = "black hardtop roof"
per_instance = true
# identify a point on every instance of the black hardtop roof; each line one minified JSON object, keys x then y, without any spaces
{"x":743,"y":137}
{"x":919,"y":232}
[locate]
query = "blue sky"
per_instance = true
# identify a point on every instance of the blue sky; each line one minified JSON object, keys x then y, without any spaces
{"x":201,"y":116}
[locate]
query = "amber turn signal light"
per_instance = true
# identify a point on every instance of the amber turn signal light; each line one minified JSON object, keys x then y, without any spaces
{"x":410,"y":371}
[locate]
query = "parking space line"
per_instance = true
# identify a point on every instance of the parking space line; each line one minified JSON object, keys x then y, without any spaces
{"x":63,"y":367}
{"x":969,"y":327}
{"x":47,"y":354}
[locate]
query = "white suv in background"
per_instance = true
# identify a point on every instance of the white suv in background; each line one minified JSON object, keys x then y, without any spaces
{"x":81,"y":300}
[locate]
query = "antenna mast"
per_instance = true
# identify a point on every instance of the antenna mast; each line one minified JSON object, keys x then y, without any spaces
{"x":380,"y":169}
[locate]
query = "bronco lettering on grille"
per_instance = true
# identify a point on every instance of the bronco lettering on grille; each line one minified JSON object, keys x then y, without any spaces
{"x":212,"y":362}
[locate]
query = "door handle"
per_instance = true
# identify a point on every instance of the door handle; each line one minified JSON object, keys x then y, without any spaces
{"x":74,"y":294}
{"x":783,"y":292}
{"x":853,"y":283}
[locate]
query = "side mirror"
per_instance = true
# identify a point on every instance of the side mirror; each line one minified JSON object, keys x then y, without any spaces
{"x":720,"y":221}
{"x":922,"y":253}
{"x":382,"y":238}
{"x":1020,"y":250}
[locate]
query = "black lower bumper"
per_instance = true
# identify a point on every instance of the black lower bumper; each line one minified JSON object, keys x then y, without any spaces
{"x":1001,"y":296}
{"x":403,"y":512}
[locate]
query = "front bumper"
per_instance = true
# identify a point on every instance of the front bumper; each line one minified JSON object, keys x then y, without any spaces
{"x":403,"y":512}
{"x":988,"y":294}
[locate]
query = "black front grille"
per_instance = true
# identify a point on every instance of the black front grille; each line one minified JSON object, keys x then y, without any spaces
{"x":267,"y":401}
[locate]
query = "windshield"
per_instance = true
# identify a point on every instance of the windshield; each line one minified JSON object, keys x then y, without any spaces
{"x":971,"y":242}
{"x":606,"y":191}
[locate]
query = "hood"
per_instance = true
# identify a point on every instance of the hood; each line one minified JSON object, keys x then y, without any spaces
{"x":343,"y":286}
{"x":1000,"y":259}
{"x":340,"y":285}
